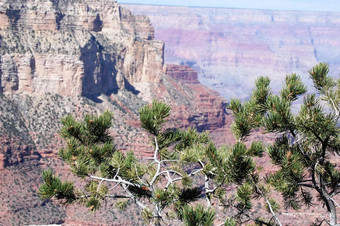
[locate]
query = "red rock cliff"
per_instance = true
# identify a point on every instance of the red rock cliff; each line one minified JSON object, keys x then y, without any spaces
{"x":96,"y":46}
{"x":182,"y":73}
{"x":64,"y":57}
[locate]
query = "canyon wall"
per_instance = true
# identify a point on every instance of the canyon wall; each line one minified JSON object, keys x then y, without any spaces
{"x":78,"y":57}
{"x":230,"y":48}
{"x":96,"y":46}
{"x":61,"y":57}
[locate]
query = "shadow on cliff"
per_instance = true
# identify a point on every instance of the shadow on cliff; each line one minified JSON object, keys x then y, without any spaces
{"x":100,"y":71}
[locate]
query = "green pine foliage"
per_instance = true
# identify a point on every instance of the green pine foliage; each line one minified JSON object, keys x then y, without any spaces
{"x":153,"y":118}
{"x":230,"y":222}
{"x":306,"y":142}
{"x":53,"y":187}
{"x":198,"y":216}
{"x":186,"y":167}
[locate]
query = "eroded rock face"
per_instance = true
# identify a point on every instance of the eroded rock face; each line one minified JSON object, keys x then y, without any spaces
{"x":230,"y":48}
{"x":29,"y":139}
{"x":82,"y":57}
{"x":89,"y":48}
{"x":75,"y":48}
{"x":209,"y":107}
{"x":182,"y":73}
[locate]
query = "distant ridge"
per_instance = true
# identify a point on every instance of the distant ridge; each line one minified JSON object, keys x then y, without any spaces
{"x":230,"y":46}
{"x":336,"y":9}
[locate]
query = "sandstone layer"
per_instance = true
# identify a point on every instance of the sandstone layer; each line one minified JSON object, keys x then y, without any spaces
{"x":82,"y":57}
{"x":96,"y":46}
{"x":60,"y":57}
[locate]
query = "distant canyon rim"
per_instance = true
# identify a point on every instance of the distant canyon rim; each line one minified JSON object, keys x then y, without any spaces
{"x":62,"y":57}
{"x":230,"y":48}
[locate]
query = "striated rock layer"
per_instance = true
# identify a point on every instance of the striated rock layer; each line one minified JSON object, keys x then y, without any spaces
{"x":96,"y":46}
{"x":60,"y":57}
{"x":230,"y":46}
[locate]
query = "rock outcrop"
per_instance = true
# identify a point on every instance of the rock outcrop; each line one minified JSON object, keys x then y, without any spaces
{"x":209,"y":107}
{"x":182,"y":73}
{"x":96,"y":46}
{"x":60,"y":57}
{"x":231,"y":47}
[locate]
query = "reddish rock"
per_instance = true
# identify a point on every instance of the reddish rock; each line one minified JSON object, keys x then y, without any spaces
{"x":100,"y":50}
{"x":2,"y":161}
{"x":61,"y":43}
{"x":182,"y":73}
{"x":112,"y":53}
{"x":3,"y":20}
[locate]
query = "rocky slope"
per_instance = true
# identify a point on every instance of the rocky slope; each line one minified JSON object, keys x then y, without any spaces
{"x":62,"y":57}
{"x":97,"y":46}
{"x":231,"y":46}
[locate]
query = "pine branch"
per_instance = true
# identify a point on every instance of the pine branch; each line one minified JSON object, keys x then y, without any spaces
{"x":335,"y":202}
{"x":258,"y":190}
{"x":138,"y":203}
{"x":118,"y":196}
{"x":119,"y":180}
{"x":314,"y":133}
{"x":156,"y":161}
{"x":306,"y":185}
{"x":316,"y":186}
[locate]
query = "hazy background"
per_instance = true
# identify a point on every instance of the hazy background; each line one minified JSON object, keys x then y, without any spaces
{"x":308,"y":5}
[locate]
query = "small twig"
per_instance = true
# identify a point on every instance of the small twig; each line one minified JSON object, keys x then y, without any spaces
{"x":214,"y":189}
{"x":138,"y":175}
{"x":118,"y":196}
{"x":98,"y":187}
{"x":335,"y":202}
{"x":169,"y":179}
{"x":119,"y":180}
{"x":117,"y":172}
{"x":170,"y":171}
{"x":114,"y":187}
{"x":268,"y":203}
{"x":337,"y":111}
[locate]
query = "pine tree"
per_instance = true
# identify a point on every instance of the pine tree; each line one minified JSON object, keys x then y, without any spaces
{"x":306,"y":142}
{"x":185,"y":166}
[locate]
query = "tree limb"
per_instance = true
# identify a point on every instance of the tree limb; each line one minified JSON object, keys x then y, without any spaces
{"x":267,"y":201}
{"x":120,"y":180}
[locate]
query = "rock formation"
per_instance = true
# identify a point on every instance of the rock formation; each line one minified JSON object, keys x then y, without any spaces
{"x":230,"y":46}
{"x":97,"y":46}
{"x":60,"y":57}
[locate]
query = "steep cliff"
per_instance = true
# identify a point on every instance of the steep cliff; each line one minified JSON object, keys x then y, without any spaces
{"x":96,"y":46}
{"x":77,"y":57}
{"x":230,"y":46}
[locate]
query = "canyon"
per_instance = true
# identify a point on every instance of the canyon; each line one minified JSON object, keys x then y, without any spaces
{"x":83,"y":57}
{"x":230,"y":48}
{"x":78,"y":57}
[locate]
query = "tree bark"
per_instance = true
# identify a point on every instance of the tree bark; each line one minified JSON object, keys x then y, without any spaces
{"x":332,"y":212}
